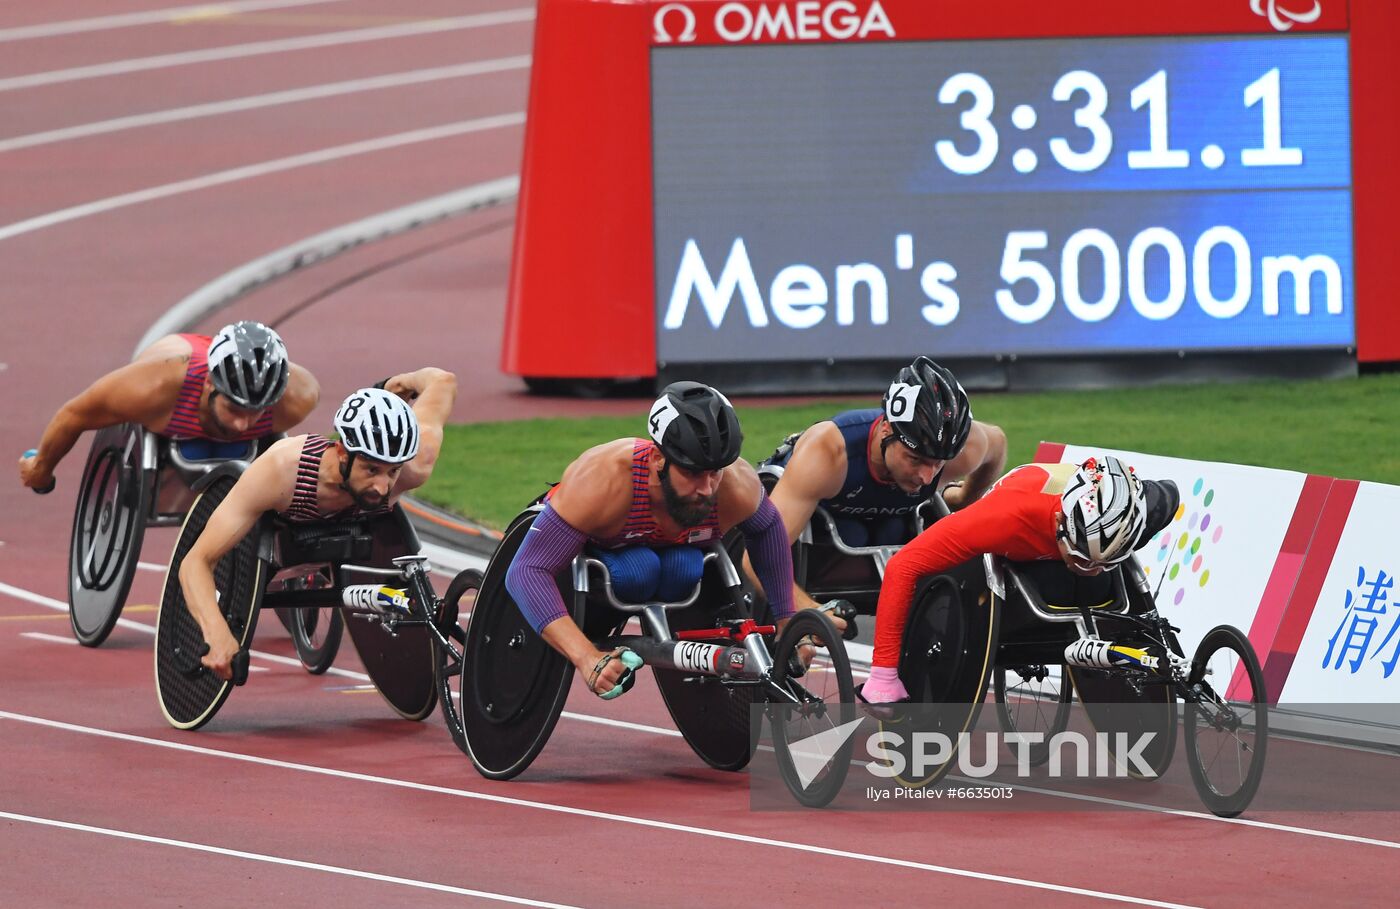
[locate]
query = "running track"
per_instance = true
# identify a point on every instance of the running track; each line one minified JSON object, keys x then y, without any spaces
{"x":127,"y":180}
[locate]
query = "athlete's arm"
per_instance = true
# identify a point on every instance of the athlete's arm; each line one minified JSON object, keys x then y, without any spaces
{"x":301,"y":397}
{"x":267,"y":485}
{"x":743,"y":503}
{"x":979,"y":528}
{"x":815,"y":471}
{"x":142,"y":392}
{"x":591,"y":500}
{"x":432,"y":392}
{"x":978,"y":465}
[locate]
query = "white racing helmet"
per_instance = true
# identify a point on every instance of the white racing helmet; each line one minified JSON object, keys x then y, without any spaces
{"x":1104,"y":511}
{"x":378,"y":425}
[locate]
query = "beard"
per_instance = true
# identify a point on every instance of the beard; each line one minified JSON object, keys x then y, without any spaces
{"x":367,"y":500}
{"x":685,"y":512}
{"x":215,"y":427}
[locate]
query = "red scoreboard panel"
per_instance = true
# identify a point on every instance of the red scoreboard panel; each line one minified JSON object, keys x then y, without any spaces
{"x":732,"y":188}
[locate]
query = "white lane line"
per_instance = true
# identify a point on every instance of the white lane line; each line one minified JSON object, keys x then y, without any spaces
{"x":52,"y":638}
{"x":259,"y":48}
{"x":596,"y":815}
{"x":152,"y":566}
{"x":149,"y":17}
{"x":253,"y":102}
{"x":250,"y":171}
{"x":42,"y":600}
{"x":279,"y":860}
{"x":657,"y":730}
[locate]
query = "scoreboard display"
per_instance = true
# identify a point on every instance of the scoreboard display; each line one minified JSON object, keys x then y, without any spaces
{"x":783,"y":187}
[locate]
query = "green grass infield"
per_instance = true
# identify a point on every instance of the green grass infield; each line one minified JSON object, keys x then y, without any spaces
{"x":1341,"y":428}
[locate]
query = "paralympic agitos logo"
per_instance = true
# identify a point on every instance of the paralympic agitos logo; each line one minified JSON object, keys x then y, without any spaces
{"x":805,"y":20}
{"x":1282,"y":18}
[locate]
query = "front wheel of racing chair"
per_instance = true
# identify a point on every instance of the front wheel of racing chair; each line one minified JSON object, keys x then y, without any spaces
{"x":1227,"y":721}
{"x":512,"y":686}
{"x":109,"y":525}
{"x":189,"y":694}
{"x":809,"y":741}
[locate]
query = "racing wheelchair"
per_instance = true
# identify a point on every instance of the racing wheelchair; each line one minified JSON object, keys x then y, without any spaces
{"x":1109,"y":644}
{"x":990,"y":622}
{"x":133,"y":479}
{"x":711,"y":658}
{"x":407,"y":638}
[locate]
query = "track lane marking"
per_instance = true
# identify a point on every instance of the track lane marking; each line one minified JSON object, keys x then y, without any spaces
{"x":281,"y":860}
{"x":148,"y":17}
{"x":249,"y":171}
{"x":657,"y":730}
{"x":632,"y":820}
{"x":261,"y":48}
{"x":52,"y":638}
{"x":270,"y":99}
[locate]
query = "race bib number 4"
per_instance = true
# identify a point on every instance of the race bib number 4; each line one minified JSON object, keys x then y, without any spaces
{"x":662,"y":413}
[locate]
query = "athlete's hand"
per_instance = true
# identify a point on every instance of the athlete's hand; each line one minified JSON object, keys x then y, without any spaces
{"x":223,"y":647}
{"x":32,"y":475}
{"x":955,"y":495}
{"x":603,"y":671}
{"x":395,"y":385}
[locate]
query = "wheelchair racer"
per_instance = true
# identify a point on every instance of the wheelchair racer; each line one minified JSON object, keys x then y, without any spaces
{"x":233,"y":387}
{"x":871,"y":469}
{"x":385,"y":448}
{"x":1090,"y":516}
{"x":643,"y":505}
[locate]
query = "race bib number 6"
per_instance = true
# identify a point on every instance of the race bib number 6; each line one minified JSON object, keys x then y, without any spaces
{"x":900,"y":406}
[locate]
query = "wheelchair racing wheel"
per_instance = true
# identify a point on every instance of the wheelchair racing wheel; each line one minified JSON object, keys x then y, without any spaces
{"x":467,"y":584}
{"x":716,"y":720}
{"x":316,"y":634}
{"x":109,"y":524}
{"x":945,"y":663}
{"x":188,"y":701}
{"x":513,"y":685}
{"x":402,"y":665}
{"x":813,"y":756}
{"x":1227,"y":731}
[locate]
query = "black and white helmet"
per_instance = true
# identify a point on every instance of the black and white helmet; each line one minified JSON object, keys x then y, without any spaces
{"x":928,"y":410}
{"x":1104,"y":510}
{"x":248,"y":365}
{"x":374,"y":423}
{"x":695,"y":426}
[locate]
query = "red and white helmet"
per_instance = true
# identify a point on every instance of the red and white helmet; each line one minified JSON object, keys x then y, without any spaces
{"x":1104,"y":511}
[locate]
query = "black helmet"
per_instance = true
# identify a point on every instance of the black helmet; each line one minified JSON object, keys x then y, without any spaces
{"x":695,"y":427}
{"x":928,"y":410}
{"x":248,"y":365}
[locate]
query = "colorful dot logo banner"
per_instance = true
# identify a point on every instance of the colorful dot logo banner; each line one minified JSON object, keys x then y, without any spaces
{"x":1178,"y":560}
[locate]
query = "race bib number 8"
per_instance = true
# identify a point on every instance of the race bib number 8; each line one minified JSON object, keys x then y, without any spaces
{"x":900,"y":406}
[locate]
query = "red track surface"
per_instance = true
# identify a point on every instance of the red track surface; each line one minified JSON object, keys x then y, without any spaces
{"x":588,"y":824}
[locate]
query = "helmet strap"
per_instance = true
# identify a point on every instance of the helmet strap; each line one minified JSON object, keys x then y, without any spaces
{"x":345,"y":468}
